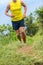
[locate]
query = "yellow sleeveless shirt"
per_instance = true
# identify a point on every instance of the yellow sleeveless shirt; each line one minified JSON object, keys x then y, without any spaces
{"x":16,"y":10}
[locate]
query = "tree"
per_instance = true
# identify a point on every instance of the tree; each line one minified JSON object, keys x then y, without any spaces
{"x":31,"y":27}
{"x":39,"y":13}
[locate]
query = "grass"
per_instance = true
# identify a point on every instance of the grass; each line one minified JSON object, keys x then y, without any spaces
{"x":9,"y":55}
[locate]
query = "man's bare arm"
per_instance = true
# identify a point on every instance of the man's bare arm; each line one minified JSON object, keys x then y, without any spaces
{"x":6,"y":11}
{"x":25,"y":8}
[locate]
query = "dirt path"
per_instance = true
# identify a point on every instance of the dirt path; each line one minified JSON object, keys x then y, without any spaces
{"x":26,"y":50}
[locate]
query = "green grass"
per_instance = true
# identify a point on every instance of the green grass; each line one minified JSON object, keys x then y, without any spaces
{"x":9,"y":55}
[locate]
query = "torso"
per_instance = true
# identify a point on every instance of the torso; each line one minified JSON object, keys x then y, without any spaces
{"x":15,"y":9}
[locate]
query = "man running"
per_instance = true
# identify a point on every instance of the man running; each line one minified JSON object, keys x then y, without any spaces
{"x":17,"y":18}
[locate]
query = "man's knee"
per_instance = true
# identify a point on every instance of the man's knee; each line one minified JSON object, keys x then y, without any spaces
{"x":22,"y":30}
{"x":17,"y":33}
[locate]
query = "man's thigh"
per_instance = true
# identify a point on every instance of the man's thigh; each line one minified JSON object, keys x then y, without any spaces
{"x":21,"y":29}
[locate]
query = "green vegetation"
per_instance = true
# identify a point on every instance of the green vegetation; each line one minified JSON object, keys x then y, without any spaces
{"x":9,"y":45}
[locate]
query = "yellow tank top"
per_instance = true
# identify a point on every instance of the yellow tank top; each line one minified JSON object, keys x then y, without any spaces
{"x":15,"y":9}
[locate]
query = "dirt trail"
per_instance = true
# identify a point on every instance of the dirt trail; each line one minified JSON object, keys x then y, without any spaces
{"x":26,"y":50}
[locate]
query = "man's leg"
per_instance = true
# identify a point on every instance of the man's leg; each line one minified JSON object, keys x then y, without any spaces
{"x":18,"y":35}
{"x":23,"y":34}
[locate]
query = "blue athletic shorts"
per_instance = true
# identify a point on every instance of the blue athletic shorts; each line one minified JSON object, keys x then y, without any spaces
{"x":16,"y":25}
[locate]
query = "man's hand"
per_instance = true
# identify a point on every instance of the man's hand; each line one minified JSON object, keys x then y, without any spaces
{"x":24,"y":15}
{"x":10,"y":15}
